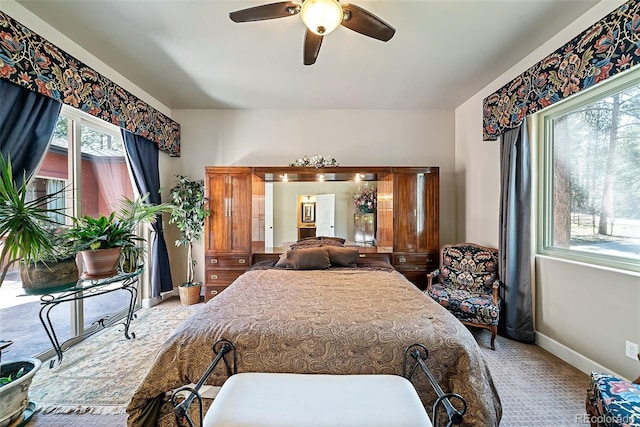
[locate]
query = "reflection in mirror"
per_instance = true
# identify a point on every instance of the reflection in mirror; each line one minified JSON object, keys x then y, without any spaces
{"x":287,"y":208}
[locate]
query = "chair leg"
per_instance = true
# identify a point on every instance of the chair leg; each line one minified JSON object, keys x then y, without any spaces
{"x":494,"y":332}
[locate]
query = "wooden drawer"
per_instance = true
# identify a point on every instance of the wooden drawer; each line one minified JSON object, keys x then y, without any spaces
{"x":221,"y":277}
{"x":227,"y":261}
{"x":211,"y":291}
{"x":415,"y":259}
{"x":375,"y":255}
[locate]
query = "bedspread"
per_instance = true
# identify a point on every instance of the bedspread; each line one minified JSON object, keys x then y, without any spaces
{"x":344,"y":321}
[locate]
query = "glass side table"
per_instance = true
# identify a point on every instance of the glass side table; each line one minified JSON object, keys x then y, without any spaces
{"x":80,"y":290}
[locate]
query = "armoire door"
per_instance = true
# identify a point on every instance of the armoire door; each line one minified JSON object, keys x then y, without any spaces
{"x":229,"y":224}
{"x":405,"y":212}
{"x":416,"y":208}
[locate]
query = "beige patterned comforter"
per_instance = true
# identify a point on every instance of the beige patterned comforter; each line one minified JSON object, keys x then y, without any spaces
{"x":344,"y":321}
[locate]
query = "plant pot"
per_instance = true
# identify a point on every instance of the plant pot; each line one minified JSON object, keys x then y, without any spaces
{"x":101,"y":263}
{"x":189,"y":294}
{"x":14,"y":397}
{"x":52,"y":274}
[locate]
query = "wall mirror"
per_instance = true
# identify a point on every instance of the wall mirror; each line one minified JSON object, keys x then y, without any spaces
{"x":331,"y":189}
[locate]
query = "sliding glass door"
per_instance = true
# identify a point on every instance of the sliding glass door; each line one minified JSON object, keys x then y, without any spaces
{"x":87,"y":157}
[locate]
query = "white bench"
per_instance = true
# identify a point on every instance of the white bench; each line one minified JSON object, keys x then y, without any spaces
{"x":314,"y":400}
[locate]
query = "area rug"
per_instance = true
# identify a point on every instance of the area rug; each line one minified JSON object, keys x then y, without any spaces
{"x":100,"y":374}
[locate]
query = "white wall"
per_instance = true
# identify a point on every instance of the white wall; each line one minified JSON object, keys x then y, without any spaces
{"x":583,"y":314}
{"x":352,"y":137}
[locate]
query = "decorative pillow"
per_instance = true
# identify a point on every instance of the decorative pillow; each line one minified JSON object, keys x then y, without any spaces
{"x":326,"y":239}
{"x":282,"y":261}
{"x":308,"y":259}
{"x":304,"y":239}
{"x":342,"y":257}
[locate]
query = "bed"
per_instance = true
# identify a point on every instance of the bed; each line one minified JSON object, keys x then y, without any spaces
{"x":345,"y":318}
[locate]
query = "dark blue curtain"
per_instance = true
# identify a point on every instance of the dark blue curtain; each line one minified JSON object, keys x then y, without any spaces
{"x":516,"y":318}
{"x":27,"y":120}
{"x":143,"y":159}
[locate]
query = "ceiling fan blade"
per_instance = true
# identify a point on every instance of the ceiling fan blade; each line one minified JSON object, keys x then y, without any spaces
{"x":364,"y":22}
{"x":312,"y":43}
{"x":266,"y":11}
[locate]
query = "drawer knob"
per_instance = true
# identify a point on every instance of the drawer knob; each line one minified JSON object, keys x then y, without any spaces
{"x":214,"y":277}
{"x":429,"y":260}
{"x":214,"y":261}
{"x":242,"y":261}
{"x":402,"y":259}
{"x":213,"y":292}
{"x":362,"y":255}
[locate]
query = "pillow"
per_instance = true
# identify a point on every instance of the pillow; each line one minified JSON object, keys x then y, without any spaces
{"x":342,"y":257}
{"x":308,"y":259}
{"x":282,"y":261}
{"x":339,"y":240}
{"x":304,"y":239}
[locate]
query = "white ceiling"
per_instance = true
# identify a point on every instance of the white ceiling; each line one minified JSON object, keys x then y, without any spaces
{"x":188,"y":54}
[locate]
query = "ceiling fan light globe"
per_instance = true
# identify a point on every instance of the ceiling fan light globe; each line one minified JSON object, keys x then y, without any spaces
{"x":321,"y":16}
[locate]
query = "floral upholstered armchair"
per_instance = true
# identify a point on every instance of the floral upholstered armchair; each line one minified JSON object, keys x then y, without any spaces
{"x":468,"y":284}
{"x":613,"y":401}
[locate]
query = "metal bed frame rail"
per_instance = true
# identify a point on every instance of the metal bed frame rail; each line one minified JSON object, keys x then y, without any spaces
{"x":420,"y":353}
{"x":181,"y":409}
{"x":222,"y":347}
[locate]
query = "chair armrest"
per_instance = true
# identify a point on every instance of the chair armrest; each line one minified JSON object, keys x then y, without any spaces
{"x":496,"y":287}
{"x":430,"y":277}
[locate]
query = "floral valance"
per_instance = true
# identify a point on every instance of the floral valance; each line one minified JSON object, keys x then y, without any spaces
{"x":608,"y":47}
{"x":30,"y":61}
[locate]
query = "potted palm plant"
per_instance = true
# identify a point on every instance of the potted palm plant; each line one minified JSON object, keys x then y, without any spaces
{"x":135,"y":213}
{"x":30,"y":236}
{"x":188,"y":215}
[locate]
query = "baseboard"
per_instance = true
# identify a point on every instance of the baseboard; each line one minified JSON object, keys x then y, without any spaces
{"x":150,"y":302}
{"x":570,"y":356}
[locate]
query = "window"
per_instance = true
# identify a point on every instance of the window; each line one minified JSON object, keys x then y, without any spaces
{"x":40,"y":186}
{"x":590,"y":176}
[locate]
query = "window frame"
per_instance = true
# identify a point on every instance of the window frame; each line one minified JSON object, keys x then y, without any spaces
{"x":544,"y":168}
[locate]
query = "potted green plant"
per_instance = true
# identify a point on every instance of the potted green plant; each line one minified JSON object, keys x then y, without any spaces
{"x":189,"y":213}
{"x":54,"y":268}
{"x":28,"y":234}
{"x":101,"y":240}
{"x":15,"y":380}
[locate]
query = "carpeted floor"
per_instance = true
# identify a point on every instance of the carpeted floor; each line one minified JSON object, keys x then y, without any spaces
{"x":536,"y":388}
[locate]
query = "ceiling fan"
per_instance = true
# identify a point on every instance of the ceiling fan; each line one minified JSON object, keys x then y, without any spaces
{"x":320,"y":17}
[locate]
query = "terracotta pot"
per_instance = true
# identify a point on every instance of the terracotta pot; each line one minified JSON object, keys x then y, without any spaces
{"x":14,"y":397}
{"x":101,"y":263}
{"x":189,"y":294}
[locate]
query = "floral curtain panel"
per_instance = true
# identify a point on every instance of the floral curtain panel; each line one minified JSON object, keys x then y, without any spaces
{"x":32,"y":62}
{"x":608,"y":47}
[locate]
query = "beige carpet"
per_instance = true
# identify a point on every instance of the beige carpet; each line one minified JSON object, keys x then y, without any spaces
{"x":100,"y":374}
{"x":536,"y":388}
